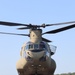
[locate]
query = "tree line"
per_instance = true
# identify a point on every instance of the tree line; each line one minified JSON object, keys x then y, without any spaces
{"x":66,"y":74}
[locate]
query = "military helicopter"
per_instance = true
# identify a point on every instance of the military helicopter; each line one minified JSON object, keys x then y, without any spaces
{"x":36,"y":53}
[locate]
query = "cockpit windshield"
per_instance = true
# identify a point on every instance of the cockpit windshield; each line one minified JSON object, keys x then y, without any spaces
{"x":42,"y":45}
{"x":29,"y":46}
{"x":34,"y":46}
{"x":53,"y":49}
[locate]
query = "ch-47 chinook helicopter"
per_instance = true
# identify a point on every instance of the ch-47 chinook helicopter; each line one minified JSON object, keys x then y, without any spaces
{"x":36,"y":54}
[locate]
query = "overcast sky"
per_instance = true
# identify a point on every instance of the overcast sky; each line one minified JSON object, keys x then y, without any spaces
{"x":37,"y":12}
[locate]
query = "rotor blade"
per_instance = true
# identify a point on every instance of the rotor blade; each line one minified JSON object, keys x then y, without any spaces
{"x":14,"y":34}
{"x":60,"y":23}
{"x":12,"y":24}
{"x":46,"y":40}
{"x":60,"y":29}
{"x":23,"y":28}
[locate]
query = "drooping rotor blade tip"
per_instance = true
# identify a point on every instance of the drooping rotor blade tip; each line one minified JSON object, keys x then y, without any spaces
{"x":22,"y":28}
{"x":71,"y":22}
{"x":60,"y":29}
{"x":46,"y":40}
{"x":14,"y":34}
{"x":12,"y":24}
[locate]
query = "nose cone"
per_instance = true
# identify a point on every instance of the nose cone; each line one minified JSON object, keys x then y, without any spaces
{"x":36,"y":54}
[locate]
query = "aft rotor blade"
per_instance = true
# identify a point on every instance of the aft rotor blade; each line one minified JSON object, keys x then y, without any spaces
{"x":12,"y":24}
{"x":60,"y":23}
{"x":44,"y":39}
{"x":14,"y":34}
{"x":28,"y":27}
{"x":60,"y":29}
{"x":23,"y":28}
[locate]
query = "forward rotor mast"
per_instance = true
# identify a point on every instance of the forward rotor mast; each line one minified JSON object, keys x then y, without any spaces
{"x":35,"y":35}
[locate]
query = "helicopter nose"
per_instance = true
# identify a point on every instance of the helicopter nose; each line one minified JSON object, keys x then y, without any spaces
{"x":37,"y":54}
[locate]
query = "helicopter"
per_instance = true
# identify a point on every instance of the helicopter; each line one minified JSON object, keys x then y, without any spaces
{"x":36,"y":53}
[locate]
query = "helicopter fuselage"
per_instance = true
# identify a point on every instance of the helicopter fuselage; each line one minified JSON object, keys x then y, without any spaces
{"x":36,"y":56}
{"x":36,"y":59}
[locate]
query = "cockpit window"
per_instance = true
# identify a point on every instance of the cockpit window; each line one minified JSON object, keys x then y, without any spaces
{"x":26,"y":47}
{"x":29,"y":46}
{"x":42,"y":45}
{"x":53,"y":49}
{"x":36,"y":46}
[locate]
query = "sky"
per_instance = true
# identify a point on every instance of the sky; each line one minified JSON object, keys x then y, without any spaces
{"x":37,"y":12}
